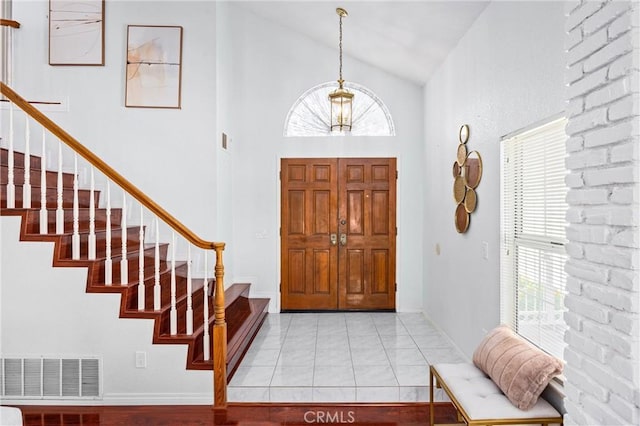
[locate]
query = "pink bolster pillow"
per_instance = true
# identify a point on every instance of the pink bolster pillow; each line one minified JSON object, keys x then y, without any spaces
{"x":520,"y":369}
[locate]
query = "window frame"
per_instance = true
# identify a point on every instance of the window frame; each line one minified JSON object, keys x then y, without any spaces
{"x":512,"y":238}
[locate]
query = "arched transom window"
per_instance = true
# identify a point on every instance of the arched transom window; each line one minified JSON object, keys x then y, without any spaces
{"x":310,"y":114}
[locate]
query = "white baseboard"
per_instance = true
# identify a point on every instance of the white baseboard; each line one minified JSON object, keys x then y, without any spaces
{"x":122,"y":399}
{"x":446,"y":336}
{"x":158,"y":399}
{"x":274,"y":299}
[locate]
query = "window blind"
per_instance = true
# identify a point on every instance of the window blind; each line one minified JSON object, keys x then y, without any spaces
{"x":533,"y":210}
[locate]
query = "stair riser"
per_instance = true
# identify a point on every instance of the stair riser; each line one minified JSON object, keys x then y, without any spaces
{"x":133,"y":243}
{"x":181,"y":307}
{"x":132,"y":265}
{"x":33,"y":220}
{"x":241,"y":340}
{"x":52,"y":197}
{"x":198,"y":338}
{"x":51,"y":177}
{"x":18,"y":159}
{"x":165,"y":292}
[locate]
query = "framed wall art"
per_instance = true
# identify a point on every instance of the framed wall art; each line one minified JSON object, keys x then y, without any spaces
{"x":154,"y":66}
{"x":76,"y":32}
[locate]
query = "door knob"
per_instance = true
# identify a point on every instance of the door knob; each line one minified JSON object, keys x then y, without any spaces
{"x":334,"y":239}
{"x":343,"y":222}
{"x":343,"y":239}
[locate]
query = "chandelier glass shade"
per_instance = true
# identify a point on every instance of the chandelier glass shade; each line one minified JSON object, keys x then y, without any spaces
{"x":341,"y":109}
{"x":341,"y":99}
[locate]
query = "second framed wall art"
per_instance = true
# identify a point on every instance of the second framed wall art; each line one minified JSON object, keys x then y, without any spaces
{"x":154,"y":66}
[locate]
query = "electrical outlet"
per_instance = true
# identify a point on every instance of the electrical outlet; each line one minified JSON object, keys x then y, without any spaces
{"x":141,"y":359}
{"x":485,"y":250}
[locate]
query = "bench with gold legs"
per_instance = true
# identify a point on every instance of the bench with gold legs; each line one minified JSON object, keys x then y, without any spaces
{"x":480,"y":402}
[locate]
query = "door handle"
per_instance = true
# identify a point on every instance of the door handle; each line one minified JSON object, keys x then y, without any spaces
{"x":343,"y":239}
{"x":334,"y":239}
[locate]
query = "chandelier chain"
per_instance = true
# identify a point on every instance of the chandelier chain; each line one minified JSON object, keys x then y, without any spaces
{"x":340,"y":45}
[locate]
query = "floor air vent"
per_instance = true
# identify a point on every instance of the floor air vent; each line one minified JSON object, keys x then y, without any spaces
{"x":68,"y":378}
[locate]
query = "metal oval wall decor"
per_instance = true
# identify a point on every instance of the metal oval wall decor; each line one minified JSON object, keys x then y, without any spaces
{"x":467,"y":172}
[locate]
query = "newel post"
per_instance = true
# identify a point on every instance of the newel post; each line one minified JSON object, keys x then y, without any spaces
{"x":219,"y":336}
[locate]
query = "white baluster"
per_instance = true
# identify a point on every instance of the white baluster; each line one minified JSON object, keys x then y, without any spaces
{"x":141,"y":291}
{"x":205,"y":336}
{"x":92,"y":219}
{"x":44,"y":219}
{"x":156,"y":270}
{"x":124,"y":263}
{"x":75,"y":238}
{"x":173,"y":315}
{"x":59,"y":210}
{"x":11,"y":187}
{"x":108,"y":263}
{"x":189,"y":290}
{"x":26,"y":187}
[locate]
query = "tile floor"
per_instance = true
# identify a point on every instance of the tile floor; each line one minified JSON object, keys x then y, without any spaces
{"x":341,"y":357}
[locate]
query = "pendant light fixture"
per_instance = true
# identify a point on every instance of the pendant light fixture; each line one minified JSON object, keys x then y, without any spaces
{"x":341,"y":99}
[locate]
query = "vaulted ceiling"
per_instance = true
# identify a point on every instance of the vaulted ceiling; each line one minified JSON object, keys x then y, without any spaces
{"x":406,"y":38}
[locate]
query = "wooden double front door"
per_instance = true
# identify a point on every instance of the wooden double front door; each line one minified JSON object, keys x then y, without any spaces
{"x":338,"y":233}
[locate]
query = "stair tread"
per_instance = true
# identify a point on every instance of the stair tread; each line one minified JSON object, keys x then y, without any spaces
{"x":117,"y":256}
{"x":97,"y":231}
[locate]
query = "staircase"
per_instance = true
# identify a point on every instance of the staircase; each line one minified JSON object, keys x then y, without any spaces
{"x":244,"y":315}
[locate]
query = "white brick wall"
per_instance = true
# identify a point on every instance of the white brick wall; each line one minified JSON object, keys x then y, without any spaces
{"x":603,"y":74}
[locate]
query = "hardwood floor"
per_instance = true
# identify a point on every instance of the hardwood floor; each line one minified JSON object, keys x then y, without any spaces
{"x":238,"y":414}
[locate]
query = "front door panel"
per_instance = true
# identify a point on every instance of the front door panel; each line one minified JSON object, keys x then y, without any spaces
{"x":338,"y":234}
{"x":309,"y":259}
{"x":366,"y":260}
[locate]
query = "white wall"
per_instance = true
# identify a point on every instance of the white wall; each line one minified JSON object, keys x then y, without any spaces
{"x":45,"y":311}
{"x":225,"y":97}
{"x":603,"y":75}
{"x":506,"y":73}
{"x":270,"y":67}
{"x":168,"y":153}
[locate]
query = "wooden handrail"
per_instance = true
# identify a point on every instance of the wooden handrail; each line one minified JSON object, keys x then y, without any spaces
{"x":9,"y":23}
{"x":108,"y":171}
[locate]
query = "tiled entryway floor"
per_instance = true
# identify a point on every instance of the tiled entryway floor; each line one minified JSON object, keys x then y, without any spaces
{"x":341,"y":357}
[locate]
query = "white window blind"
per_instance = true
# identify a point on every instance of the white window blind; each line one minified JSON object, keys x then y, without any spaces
{"x":533,"y":223}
